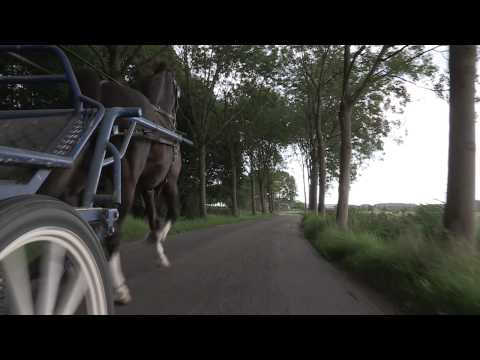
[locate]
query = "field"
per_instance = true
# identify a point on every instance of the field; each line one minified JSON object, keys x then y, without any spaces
{"x":409,"y":257}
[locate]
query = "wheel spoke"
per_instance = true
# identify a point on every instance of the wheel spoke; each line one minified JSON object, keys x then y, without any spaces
{"x":72,"y":295}
{"x":17,"y":280}
{"x":50,"y":275}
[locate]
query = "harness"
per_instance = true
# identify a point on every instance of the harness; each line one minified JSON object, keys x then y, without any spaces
{"x":144,"y":133}
{"x":172,"y":119}
{"x":149,"y":135}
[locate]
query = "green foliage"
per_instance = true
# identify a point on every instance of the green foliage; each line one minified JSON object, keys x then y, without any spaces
{"x":312,"y":79}
{"x":408,"y":256}
{"x":33,"y":95}
{"x":284,"y":186}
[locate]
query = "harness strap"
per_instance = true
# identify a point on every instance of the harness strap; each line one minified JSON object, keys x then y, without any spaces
{"x":144,"y":134}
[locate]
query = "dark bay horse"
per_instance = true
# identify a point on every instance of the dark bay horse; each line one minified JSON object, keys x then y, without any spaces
{"x":150,"y":168}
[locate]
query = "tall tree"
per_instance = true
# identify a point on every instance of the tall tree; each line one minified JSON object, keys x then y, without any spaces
{"x":211,"y":72}
{"x":311,"y":72}
{"x":266,"y":131}
{"x":203,"y":68}
{"x":459,"y":209}
{"x":371,"y":69}
{"x":319,"y":66}
{"x":122,"y":62}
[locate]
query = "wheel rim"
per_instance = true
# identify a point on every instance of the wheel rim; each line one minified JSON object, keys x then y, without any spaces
{"x":66,"y":277}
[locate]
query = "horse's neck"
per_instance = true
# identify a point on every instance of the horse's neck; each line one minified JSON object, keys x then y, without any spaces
{"x":112,"y":94}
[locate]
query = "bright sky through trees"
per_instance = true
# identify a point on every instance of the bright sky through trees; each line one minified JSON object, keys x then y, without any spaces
{"x":414,"y":171}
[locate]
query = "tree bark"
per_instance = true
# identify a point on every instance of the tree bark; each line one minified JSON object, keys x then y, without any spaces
{"x":313,"y":195}
{"x":322,"y":178}
{"x":262,"y":194}
{"x":114,"y":63}
{"x":270,"y":194}
{"x":459,"y":209}
{"x":203,"y":184}
{"x":345,"y":119}
{"x":320,"y":155}
{"x":234,"y":181}
{"x":252,"y":192}
{"x":304,"y":187}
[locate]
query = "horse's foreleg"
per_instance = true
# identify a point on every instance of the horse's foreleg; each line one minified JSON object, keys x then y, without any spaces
{"x":121,"y":290}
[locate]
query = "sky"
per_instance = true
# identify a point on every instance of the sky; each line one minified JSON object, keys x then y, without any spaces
{"x":412,"y":172}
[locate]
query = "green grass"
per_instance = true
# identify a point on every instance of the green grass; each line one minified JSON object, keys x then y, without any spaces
{"x":411,"y":258}
{"x":136,"y":229}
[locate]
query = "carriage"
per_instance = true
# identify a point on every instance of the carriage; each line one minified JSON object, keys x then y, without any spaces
{"x":52,"y":258}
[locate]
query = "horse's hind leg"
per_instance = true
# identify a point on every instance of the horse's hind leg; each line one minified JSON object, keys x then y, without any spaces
{"x":155,"y":203}
{"x":151,"y":211}
{"x":169,"y":195}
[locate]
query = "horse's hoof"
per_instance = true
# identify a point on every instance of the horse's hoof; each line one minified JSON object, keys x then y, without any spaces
{"x":122,"y":302}
{"x":163,"y":263}
{"x":122,"y":295}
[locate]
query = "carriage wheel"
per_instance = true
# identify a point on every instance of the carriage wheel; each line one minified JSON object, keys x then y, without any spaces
{"x":51,"y":261}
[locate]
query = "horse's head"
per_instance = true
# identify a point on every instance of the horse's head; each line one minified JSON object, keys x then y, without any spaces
{"x":162,"y":91}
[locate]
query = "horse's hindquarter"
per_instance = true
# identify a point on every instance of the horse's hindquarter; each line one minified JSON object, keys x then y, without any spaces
{"x":158,"y":166}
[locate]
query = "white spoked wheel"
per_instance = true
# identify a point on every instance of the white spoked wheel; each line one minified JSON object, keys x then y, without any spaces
{"x":51,"y":262}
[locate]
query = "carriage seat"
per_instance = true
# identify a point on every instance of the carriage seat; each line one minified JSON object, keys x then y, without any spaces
{"x":55,"y":133}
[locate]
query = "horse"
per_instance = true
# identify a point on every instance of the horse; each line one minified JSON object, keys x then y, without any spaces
{"x":150,"y":167}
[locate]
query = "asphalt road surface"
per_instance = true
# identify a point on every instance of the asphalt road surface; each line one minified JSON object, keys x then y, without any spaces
{"x":253,"y":268}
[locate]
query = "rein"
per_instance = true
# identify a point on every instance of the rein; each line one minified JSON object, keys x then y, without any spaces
{"x":158,"y":109}
{"x":140,"y":132}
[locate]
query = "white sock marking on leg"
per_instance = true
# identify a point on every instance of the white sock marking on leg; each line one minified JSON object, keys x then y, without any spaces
{"x":161,"y":236}
{"x":121,"y":290}
{"x":116,"y":269}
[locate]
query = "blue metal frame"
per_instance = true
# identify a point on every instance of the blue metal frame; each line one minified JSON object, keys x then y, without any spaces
{"x":25,"y":157}
{"x":68,"y":76}
{"x":95,"y":116}
{"x":169,"y":134}
{"x":103,"y":138}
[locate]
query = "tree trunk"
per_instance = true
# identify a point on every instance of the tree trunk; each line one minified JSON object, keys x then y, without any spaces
{"x":270,"y":194}
{"x":234,"y":181}
{"x":322,"y":178}
{"x":345,"y":119}
{"x":304,"y":186}
{"x":320,"y":157}
{"x":312,"y":205}
{"x":203,"y":185}
{"x":459,"y":209}
{"x":252,"y":192}
{"x":114,"y":63}
{"x":262,"y":194}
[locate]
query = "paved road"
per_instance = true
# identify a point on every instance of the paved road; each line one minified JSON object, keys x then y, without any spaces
{"x":254,"y":267}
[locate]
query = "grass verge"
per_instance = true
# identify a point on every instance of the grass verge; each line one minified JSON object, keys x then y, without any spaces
{"x":136,"y":229}
{"x":410,"y":258}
